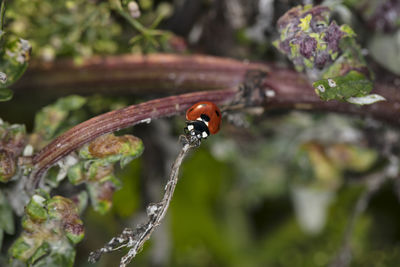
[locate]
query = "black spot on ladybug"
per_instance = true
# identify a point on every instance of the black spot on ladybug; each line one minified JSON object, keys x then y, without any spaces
{"x":204,"y":117}
{"x":190,"y":110}
{"x":216,"y":112}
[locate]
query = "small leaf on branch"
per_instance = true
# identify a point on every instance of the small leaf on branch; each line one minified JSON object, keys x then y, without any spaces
{"x":353,"y":87}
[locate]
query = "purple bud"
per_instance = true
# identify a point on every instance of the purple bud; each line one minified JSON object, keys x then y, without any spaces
{"x":333,"y":35}
{"x":308,"y":46}
{"x":321,"y":60}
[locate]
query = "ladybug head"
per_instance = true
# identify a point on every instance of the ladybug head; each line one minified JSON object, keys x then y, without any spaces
{"x":198,"y":128}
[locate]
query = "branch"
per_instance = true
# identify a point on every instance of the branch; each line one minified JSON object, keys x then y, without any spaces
{"x":127,"y":74}
{"x":168,"y":74}
{"x":116,"y":120}
{"x":281,"y":88}
{"x":293,"y":91}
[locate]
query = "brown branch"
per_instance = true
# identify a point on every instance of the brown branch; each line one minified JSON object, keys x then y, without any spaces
{"x":293,"y":91}
{"x":127,"y":74}
{"x":161,"y":73}
{"x":282,"y":88}
{"x":116,"y":120}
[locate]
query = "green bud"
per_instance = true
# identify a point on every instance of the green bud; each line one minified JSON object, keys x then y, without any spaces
{"x":50,"y":118}
{"x":35,"y":208}
{"x":13,"y":140}
{"x":50,"y":239}
{"x":75,"y":174}
{"x":97,"y":166}
{"x":21,"y":250}
{"x":7,"y":165}
{"x":15,"y":54}
{"x":101,"y":194}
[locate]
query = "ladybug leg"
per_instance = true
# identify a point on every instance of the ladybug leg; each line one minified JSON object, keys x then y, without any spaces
{"x":192,"y":140}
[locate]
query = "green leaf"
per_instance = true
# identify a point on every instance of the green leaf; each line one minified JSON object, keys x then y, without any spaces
{"x":49,"y":241}
{"x":353,"y":84}
{"x":6,"y":216}
{"x":35,"y":209}
{"x":50,"y":119}
{"x":14,"y":58}
{"x":96,"y":166}
{"x":40,"y":252}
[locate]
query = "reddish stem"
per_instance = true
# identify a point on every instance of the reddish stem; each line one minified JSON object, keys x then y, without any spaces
{"x":116,"y":120}
{"x":284,"y":88}
{"x":293,"y":91}
{"x":137,"y":74}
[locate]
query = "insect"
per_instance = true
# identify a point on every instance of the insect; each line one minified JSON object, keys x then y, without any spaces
{"x":203,"y":119}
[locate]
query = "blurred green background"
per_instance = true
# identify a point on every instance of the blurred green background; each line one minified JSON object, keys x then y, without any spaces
{"x":280,"y":192}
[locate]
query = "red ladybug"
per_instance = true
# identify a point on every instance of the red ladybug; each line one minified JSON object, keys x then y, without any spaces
{"x":203,"y":119}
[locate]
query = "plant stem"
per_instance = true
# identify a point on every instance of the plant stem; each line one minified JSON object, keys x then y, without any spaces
{"x":170,"y":74}
{"x":116,"y":120}
{"x":282,"y":88}
{"x":2,"y":14}
{"x":136,"y":74}
{"x":136,"y":24}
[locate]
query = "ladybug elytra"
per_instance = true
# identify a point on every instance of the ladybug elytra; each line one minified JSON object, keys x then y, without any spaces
{"x":203,"y":119}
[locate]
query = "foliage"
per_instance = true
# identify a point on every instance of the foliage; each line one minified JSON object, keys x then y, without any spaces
{"x":59,"y":30}
{"x":81,"y":29}
{"x":96,"y":167}
{"x":12,"y":143}
{"x":328,"y":52}
{"x":51,"y":230}
{"x":379,"y":15}
{"x":246,"y":197}
{"x":14,"y":57}
{"x":7,"y":224}
{"x":74,"y":28}
{"x":52,"y":119}
{"x":50,"y":224}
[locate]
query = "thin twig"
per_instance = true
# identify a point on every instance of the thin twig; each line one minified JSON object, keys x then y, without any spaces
{"x":134,"y":23}
{"x":135,"y":239}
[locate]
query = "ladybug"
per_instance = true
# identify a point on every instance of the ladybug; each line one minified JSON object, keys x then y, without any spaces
{"x":203,"y":119}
